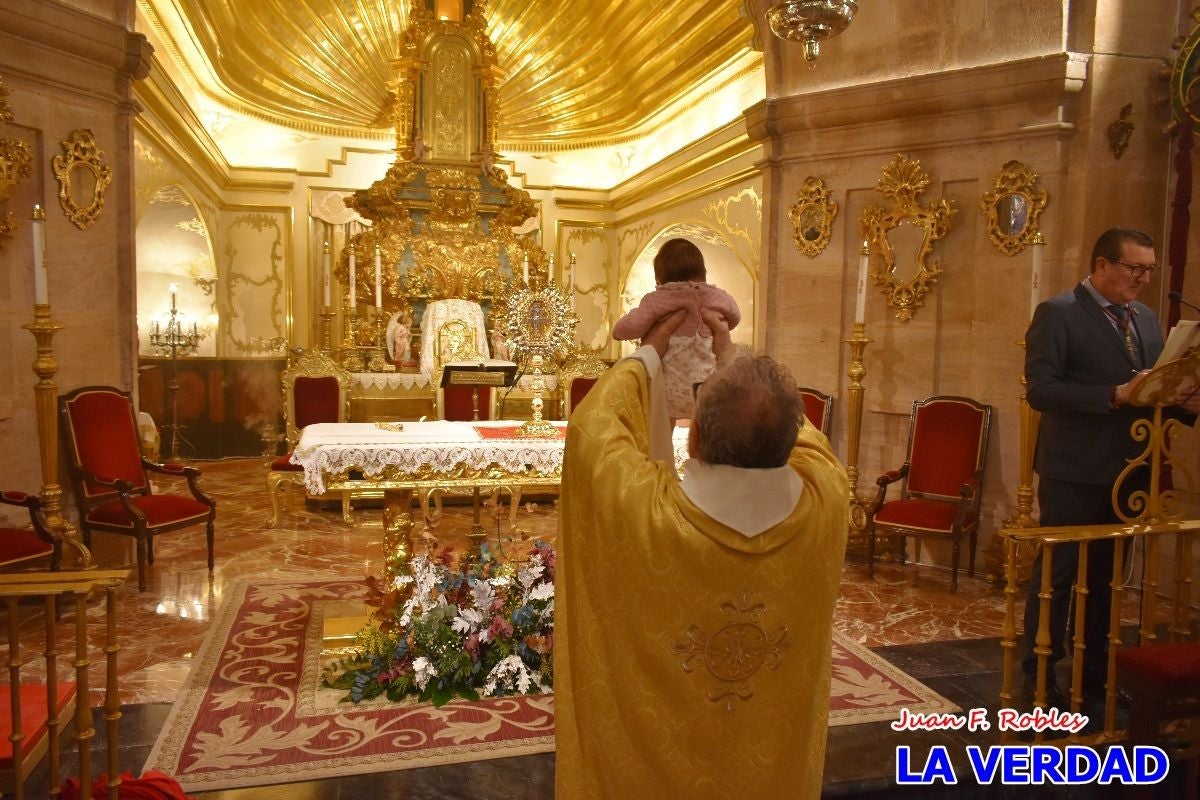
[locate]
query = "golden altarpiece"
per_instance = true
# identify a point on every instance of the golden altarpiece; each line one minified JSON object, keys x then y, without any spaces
{"x":437,"y":269}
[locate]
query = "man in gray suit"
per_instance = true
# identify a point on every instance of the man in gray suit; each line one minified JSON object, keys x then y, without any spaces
{"x":1086,"y":350}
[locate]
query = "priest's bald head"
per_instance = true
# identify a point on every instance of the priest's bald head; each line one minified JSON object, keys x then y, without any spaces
{"x":748,"y":414}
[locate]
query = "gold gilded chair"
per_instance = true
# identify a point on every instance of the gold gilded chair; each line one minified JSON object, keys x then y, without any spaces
{"x":315,"y":389}
{"x":35,"y":711}
{"x":112,"y":488}
{"x":577,"y":378}
{"x":818,"y":407}
{"x":942,"y":479}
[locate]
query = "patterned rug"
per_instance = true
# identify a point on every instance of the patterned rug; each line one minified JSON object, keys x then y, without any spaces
{"x":252,"y":712}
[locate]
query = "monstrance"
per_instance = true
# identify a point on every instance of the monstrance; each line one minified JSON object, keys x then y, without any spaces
{"x":540,"y":326}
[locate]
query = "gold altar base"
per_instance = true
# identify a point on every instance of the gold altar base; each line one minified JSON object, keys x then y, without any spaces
{"x":341,"y":622}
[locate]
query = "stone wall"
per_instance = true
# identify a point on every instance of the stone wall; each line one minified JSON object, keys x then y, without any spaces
{"x":67,"y":69}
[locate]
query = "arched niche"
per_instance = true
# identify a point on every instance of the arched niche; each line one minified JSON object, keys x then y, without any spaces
{"x":724,"y":269}
{"x":174,"y":248}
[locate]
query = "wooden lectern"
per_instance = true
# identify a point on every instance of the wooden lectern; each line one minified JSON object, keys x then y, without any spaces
{"x":494,"y":375}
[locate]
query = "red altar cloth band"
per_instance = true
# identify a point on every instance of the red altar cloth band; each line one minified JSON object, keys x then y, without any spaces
{"x":510,"y":431}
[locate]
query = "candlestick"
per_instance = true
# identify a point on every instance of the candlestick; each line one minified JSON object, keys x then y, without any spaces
{"x":525,"y":269}
{"x":41,"y":294}
{"x":572,"y":283}
{"x":1035,"y":293}
{"x":378,"y":277}
{"x":325,"y":271}
{"x":45,"y":393}
{"x":864,"y":263}
{"x":353,"y":298}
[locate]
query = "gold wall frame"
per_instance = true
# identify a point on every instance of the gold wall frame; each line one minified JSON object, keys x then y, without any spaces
{"x":16,"y":164}
{"x":82,"y":178}
{"x":905,"y":277}
{"x":1012,"y":208}
{"x":812,"y":217}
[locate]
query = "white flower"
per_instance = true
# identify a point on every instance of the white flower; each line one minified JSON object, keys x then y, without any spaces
{"x":423,"y":671}
{"x":482,"y":594}
{"x":509,"y":673}
{"x":500,"y":580}
{"x":468,"y":619}
{"x":530,"y":574}
{"x":543,"y":591}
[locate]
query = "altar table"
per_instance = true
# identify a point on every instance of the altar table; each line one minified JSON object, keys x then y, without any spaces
{"x":425,"y":457}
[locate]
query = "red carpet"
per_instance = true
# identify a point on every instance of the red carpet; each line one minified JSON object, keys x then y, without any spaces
{"x":252,"y":712}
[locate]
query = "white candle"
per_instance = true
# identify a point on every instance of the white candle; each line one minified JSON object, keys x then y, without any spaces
{"x":571,"y":288}
{"x":864,"y":263}
{"x":325,"y":274}
{"x":525,"y":269}
{"x":353,"y":295}
{"x":550,"y":269}
{"x":378,"y":277}
{"x":41,"y":294}
{"x":1035,"y":289}
{"x":174,"y":287}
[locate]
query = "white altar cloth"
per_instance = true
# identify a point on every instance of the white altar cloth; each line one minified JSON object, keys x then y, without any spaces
{"x":336,"y":448}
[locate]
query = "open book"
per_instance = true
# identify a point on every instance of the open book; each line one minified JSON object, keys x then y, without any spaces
{"x":1183,"y":340}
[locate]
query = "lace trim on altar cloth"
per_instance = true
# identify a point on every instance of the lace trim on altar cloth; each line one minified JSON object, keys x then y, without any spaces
{"x":338,"y":448}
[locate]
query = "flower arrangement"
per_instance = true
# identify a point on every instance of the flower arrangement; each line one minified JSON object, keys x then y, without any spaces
{"x":466,"y":627}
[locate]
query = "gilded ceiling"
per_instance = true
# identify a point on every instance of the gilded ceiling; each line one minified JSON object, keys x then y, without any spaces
{"x":578,"y":73}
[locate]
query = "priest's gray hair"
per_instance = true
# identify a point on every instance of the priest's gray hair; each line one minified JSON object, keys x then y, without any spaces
{"x":748,"y":414}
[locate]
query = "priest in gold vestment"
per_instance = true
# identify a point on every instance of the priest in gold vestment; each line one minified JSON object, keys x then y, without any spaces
{"x":694,"y":616}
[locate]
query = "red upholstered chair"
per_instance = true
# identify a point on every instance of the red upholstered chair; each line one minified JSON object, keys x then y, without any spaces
{"x":577,"y":378}
{"x":21,"y":547}
{"x":458,"y":403}
{"x":575,"y":390}
{"x":942,"y":478}
{"x":112,"y":488}
{"x":1163,"y":684}
{"x":818,"y":407}
{"x":315,"y":389}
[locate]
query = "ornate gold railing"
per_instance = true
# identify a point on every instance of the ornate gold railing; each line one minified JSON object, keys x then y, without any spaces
{"x":1153,"y":536}
{"x":46,"y":589}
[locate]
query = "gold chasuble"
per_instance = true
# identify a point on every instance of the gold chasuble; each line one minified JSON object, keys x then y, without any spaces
{"x":691,"y":661}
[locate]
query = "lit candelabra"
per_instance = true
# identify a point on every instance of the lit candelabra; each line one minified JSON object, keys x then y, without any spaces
{"x":174,"y":341}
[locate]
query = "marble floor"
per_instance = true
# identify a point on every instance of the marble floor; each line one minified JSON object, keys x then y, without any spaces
{"x":907,"y":614}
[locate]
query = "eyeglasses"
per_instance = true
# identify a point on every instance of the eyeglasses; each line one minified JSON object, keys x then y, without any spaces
{"x":1136,"y":270}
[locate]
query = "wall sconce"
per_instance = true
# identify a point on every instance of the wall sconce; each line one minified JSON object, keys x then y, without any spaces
{"x":811,"y":22}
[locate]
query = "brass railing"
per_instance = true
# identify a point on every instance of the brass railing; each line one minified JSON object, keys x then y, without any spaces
{"x":76,"y":588}
{"x":1179,"y":534}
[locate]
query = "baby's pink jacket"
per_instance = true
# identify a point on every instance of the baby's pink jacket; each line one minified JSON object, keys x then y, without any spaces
{"x":691,"y":296}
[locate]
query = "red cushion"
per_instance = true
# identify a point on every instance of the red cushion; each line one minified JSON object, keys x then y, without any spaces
{"x":105,"y":439}
{"x":457,"y":403}
{"x":316,"y":400}
{"x":928,"y":515}
{"x":160,"y":509}
{"x":579,"y":389}
{"x":33,"y":717}
{"x":814,"y":409}
{"x":284,"y":464}
{"x":946,"y":441}
{"x":21,"y":544}
{"x":1175,"y":664}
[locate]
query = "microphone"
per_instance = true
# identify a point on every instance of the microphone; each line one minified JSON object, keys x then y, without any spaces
{"x":1178,"y":298}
